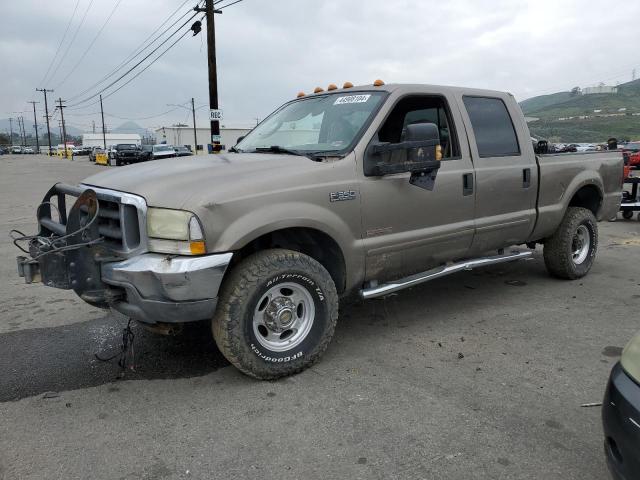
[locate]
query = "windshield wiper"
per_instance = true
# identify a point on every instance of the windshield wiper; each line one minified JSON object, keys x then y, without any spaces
{"x":315,"y":156}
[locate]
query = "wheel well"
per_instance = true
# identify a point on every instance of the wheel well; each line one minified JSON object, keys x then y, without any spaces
{"x":314,"y":243}
{"x":587,"y":197}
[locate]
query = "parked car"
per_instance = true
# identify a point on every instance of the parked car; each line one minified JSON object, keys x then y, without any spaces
{"x":4,"y":151}
{"x":28,"y":150}
{"x":157,"y":152}
{"x":631,"y":154}
{"x":124,"y":154}
{"x":182,"y":151}
{"x":621,"y":415}
{"x":16,"y":149}
{"x":394,"y":186}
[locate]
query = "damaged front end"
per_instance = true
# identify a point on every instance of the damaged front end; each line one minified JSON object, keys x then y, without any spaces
{"x":72,"y":242}
{"x":94,"y":242}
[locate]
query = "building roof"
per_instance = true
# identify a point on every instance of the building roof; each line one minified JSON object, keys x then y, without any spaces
{"x":98,"y":136}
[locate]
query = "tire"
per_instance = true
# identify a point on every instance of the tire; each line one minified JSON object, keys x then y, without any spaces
{"x":627,"y":214}
{"x":569,"y":253}
{"x":277,"y":281}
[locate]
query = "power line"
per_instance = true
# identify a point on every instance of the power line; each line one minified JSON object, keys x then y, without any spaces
{"x":138,"y":64}
{"x":115,"y":7}
{"x":61,"y":42}
{"x":75,"y":34}
{"x":138,"y":50}
{"x":227,"y":5}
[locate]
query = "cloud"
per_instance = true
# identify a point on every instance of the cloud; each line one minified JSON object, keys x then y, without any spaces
{"x":269,"y":50}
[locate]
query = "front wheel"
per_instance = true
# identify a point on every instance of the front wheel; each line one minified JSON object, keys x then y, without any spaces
{"x":276,"y":314}
{"x":570,"y":252}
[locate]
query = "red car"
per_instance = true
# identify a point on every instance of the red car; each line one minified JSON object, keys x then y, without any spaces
{"x":631,"y":154}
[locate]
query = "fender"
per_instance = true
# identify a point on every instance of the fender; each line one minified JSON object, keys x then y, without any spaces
{"x":269,"y":218}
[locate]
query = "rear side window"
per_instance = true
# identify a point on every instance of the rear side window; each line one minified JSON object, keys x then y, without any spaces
{"x":492,"y":127}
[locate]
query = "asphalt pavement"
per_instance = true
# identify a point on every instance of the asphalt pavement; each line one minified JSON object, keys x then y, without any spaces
{"x":478,"y":375}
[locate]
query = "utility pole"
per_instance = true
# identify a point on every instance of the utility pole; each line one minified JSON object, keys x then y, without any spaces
{"x":11,"y":130}
{"x":23,"y":140}
{"x":210,"y":12}
{"x":93,"y":126}
{"x":64,"y":130}
{"x":104,"y":135}
{"x":46,"y":112}
{"x":60,"y":129}
{"x":35,"y":125}
{"x":195,"y":134}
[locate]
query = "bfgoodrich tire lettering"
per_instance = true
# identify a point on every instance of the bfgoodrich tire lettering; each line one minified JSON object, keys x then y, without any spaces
{"x":252,"y":288}
{"x":570,"y":252}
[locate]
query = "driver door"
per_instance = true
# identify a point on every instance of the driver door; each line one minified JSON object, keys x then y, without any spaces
{"x":407,"y":229}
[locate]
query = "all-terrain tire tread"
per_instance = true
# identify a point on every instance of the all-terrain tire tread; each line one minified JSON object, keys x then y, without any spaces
{"x":227,"y":326}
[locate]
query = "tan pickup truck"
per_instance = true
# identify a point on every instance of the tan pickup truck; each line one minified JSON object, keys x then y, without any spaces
{"x":366,"y":189}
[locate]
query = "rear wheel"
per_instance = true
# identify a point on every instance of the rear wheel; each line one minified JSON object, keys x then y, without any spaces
{"x":627,"y":214}
{"x":569,"y":253}
{"x":276,"y":314}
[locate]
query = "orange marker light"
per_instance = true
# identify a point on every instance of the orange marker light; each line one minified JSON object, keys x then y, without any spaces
{"x":438,"y":152}
{"x":318,"y":90}
{"x":347,"y":85}
{"x":332,"y":86}
{"x":300,"y":94}
{"x":197,"y":247}
{"x":378,"y":83}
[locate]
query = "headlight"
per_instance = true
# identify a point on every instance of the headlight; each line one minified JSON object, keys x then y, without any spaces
{"x":174,"y":231}
{"x":631,"y":358}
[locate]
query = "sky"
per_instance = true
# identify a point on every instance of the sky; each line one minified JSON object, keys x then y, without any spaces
{"x":268,"y":50}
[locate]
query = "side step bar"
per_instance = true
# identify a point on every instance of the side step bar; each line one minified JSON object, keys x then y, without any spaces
{"x":418,"y":278}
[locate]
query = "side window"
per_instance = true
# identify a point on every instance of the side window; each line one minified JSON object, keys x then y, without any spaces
{"x":492,"y":127}
{"x":420,"y":109}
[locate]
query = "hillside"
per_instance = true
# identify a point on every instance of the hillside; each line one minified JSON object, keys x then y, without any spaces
{"x":553,"y":112}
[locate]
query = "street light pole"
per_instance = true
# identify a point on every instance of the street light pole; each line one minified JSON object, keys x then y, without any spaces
{"x":11,"y":130}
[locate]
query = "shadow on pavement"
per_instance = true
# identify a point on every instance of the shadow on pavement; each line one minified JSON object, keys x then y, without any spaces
{"x":63,"y":358}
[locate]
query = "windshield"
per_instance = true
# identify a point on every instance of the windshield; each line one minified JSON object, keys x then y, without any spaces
{"x":162,"y":148}
{"x":124,"y":146}
{"x":326,"y":123}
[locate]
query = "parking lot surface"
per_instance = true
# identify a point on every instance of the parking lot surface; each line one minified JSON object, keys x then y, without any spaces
{"x":478,"y":375}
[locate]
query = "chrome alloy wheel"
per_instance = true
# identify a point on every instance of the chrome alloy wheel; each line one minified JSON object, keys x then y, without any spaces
{"x":283,"y":317}
{"x":581,"y":245}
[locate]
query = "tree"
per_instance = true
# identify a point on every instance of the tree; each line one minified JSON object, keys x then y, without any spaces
{"x":576,"y":91}
{"x":4,"y":139}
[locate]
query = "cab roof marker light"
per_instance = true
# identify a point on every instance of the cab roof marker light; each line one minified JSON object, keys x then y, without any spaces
{"x":300,"y":94}
{"x":347,"y":85}
{"x":318,"y":90}
{"x":378,"y":83}
{"x":332,"y":86}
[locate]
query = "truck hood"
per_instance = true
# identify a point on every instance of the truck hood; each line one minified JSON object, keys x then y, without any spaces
{"x":186,"y":182}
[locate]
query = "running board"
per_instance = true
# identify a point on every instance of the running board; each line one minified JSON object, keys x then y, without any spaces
{"x":418,"y":278}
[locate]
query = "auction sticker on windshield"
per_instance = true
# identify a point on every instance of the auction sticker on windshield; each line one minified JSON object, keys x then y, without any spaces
{"x":351,"y":99}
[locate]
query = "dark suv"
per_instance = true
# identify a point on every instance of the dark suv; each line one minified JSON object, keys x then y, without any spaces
{"x":124,"y":154}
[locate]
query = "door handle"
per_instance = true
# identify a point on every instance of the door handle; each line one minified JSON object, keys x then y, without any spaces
{"x":467,"y":184}
{"x":526,"y":178}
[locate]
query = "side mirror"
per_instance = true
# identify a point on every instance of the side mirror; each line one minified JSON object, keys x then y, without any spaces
{"x":421,"y":149}
{"x":240,"y":139}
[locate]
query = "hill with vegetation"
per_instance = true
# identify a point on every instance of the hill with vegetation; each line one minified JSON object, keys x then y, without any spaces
{"x":572,"y":117}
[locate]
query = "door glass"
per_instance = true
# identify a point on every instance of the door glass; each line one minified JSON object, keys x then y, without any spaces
{"x":492,"y":127}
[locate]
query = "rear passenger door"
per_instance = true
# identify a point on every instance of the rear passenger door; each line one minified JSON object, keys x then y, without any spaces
{"x":505,"y":171}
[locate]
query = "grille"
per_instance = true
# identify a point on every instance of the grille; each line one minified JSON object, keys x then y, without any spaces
{"x":118,"y":224}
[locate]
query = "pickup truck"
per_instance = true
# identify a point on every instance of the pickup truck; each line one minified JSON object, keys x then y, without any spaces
{"x":365,"y":190}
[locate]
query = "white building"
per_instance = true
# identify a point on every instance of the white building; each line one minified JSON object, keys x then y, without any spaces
{"x":183,"y":136}
{"x":599,"y":89}
{"x":96,"y":140}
